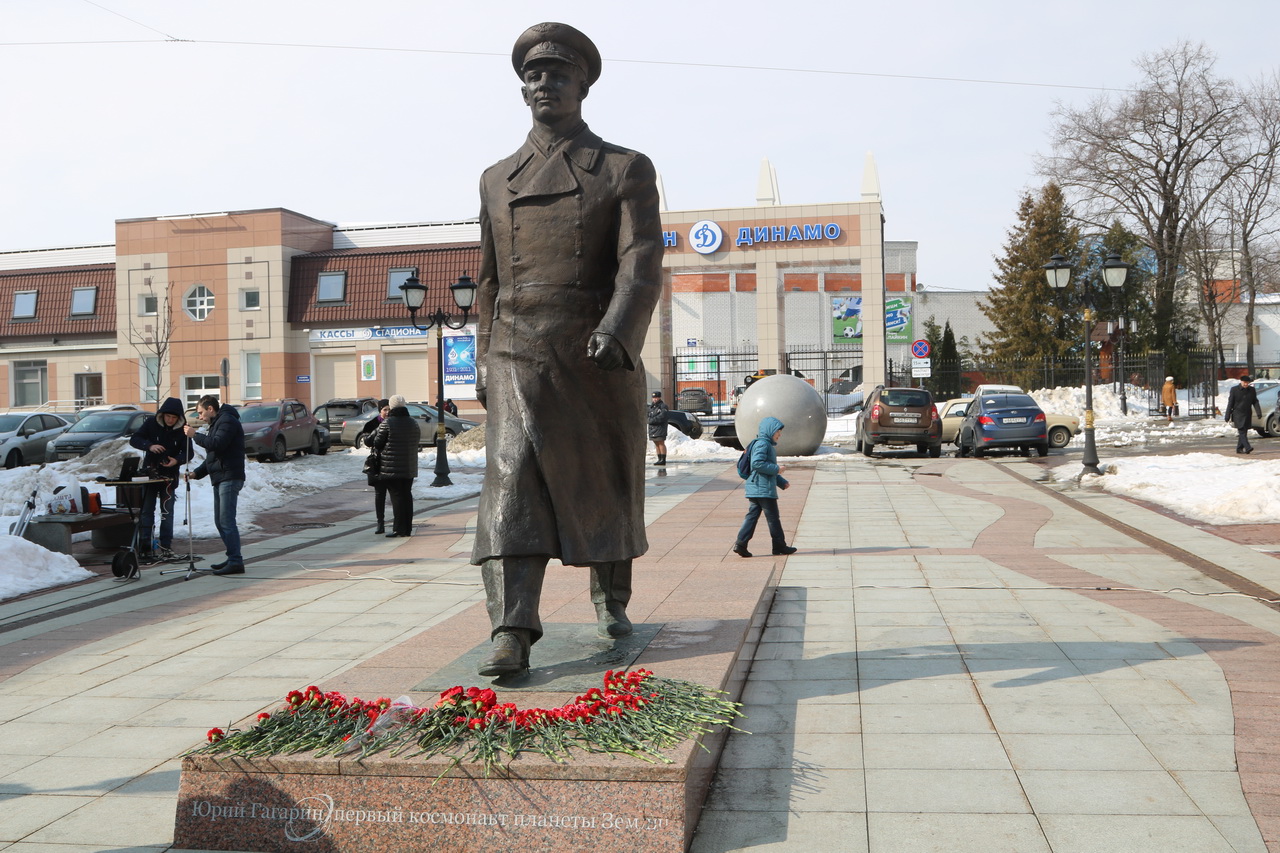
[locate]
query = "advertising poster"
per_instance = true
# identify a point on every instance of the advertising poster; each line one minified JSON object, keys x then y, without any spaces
{"x":368,"y":368}
{"x":846,"y":319}
{"x":460,"y":365}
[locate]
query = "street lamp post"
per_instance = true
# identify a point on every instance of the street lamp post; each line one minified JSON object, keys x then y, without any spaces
{"x":1114,"y":272}
{"x":464,"y":295}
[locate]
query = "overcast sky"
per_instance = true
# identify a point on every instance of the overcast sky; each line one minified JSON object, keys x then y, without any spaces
{"x":388,"y":110}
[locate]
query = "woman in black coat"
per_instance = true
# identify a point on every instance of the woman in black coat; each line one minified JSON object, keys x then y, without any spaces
{"x":371,"y":466}
{"x":1242,"y":402}
{"x":396,"y":441}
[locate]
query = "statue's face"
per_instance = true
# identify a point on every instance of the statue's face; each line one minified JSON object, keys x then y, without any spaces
{"x":553,"y":90}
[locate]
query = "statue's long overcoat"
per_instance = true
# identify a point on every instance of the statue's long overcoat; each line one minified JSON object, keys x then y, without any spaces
{"x":572,"y":244}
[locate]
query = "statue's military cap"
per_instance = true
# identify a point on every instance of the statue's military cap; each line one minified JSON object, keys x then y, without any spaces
{"x":559,"y":42}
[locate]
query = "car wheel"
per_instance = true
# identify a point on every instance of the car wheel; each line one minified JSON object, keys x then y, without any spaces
{"x":868,"y":448}
{"x":14,"y":459}
{"x":279,"y":452}
{"x":1273,"y":423}
{"x":978,"y":452}
{"x":1043,"y":449}
{"x":324,"y":448}
{"x":314,"y":449}
{"x":922,"y":449}
{"x":1059,"y":437}
{"x":935,"y":450}
{"x":961,"y":450}
{"x":359,"y":442}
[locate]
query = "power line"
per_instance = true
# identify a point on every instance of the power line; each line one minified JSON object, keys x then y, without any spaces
{"x":131,"y":20}
{"x":672,"y":63}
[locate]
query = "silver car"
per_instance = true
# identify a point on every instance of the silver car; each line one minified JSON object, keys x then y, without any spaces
{"x":353,"y":428}
{"x":24,"y":436}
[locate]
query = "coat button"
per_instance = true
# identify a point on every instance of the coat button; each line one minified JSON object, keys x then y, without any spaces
{"x":578,"y":254}
{"x":515,"y":258}
{"x":515,"y":227}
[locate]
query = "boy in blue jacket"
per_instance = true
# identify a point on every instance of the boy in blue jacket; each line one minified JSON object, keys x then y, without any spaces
{"x":762,"y":490}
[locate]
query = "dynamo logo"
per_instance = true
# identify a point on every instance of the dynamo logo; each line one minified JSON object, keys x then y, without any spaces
{"x":705,"y":237}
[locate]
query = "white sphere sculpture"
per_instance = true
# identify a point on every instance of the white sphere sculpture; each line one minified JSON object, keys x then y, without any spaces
{"x":791,"y":400}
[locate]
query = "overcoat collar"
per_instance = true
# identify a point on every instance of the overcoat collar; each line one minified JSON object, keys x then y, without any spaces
{"x":536,"y":173}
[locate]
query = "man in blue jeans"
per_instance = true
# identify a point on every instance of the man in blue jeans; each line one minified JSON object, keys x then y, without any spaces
{"x":224,"y":465}
{"x":762,"y":490}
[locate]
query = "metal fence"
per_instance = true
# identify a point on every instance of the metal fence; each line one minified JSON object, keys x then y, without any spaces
{"x":835,"y":372}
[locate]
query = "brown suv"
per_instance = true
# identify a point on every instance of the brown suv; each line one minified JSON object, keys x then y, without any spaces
{"x":899,"y":417}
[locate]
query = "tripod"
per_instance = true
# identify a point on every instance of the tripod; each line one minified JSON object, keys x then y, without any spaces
{"x":191,"y":570}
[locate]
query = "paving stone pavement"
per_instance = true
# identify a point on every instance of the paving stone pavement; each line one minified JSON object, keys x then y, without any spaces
{"x":957,"y":659}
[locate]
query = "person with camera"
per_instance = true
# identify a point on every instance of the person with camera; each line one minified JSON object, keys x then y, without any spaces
{"x":373,"y":465}
{"x":165,"y":449}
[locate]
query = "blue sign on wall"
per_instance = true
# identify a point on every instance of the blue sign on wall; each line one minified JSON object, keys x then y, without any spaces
{"x":460,"y":360}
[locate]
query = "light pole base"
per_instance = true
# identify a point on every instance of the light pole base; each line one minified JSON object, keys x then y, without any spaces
{"x":442,"y":466}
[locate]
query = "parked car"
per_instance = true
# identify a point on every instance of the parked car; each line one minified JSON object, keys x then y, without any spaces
{"x":332,"y":413}
{"x":696,"y":400}
{"x":734,"y":396}
{"x":686,"y":422}
{"x":92,"y":430}
{"x":1269,"y":401}
{"x":353,"y":429}
{"x":24,"y":436}
{"x":273,"y":430}
{"x":899,"y":417}
{"x":843,"y":397}
{"x":1061,"y":428}
{"x":1000,"y":421}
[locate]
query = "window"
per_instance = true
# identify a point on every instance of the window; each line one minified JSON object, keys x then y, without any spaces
{"x":199,"y":302}
{"x":24,"y":305}
{"x":195,"y":387}
{"x":148,"y":305}
{"x":84,"y":300}
{"x":332,"y":287}
{"x":30,"y":383}
{"x":253,"y":376}
{"x":397,"y":277}
{"x":149,"y":378}
{"x":250,"y":300}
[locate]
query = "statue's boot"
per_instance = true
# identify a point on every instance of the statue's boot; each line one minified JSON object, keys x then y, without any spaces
{"x":610,"y":593}
{"x":509,"y":654}
{"x":513,"y":593}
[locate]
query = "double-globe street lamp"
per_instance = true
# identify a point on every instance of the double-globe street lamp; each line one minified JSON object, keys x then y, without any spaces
{"x":1114,"y":272}
{"x":464,"y":295}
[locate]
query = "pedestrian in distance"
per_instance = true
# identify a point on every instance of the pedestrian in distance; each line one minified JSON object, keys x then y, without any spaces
{"x":1242,"y":402}
{"x":658,"y":426}
{"x":396,"y":442}
{"x":762,"y":490}
{"x":1169,"y":398}
{"x":372,"y":466}
{"x":223,"y":464}
{"x":165,"y":450}
{"x":451,"y":407}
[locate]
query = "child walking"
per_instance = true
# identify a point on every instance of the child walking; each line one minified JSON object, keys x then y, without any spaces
{"x":762,"y":490}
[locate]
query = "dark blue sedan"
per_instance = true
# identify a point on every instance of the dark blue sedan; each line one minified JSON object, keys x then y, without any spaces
{"x":1000,"y":421}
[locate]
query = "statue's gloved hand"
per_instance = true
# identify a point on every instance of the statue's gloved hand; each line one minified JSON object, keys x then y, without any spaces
{"x":605,"y":351}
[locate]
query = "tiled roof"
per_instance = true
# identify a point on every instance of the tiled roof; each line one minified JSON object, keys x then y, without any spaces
{"x":53,"y":287}
{"x":366,"y":287}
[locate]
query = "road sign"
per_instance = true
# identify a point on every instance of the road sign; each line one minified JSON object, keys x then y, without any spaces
{"x":304,"y":378}
{"x":921,"y":362}
{"x":921,"y":372}
{"x":920,"y":349}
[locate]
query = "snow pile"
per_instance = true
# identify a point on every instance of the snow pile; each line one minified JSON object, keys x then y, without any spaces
{"x":28,"y":567}
{"x":1204,"y":486}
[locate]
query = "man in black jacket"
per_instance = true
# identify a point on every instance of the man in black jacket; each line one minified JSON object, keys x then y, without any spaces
{"x":396,"y":441}
{"x":224,"y":465}
{"x":1242,"y":402}
{"x":166,"y":449}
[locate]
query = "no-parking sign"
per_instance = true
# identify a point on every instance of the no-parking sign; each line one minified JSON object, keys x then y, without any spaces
{"x":920,"y":349}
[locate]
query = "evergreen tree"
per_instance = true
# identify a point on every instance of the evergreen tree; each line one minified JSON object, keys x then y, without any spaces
{"x":947,"y":365}
{"x":1033,"y":323}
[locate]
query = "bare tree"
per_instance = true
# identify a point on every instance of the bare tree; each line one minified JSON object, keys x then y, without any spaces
{"x":1154,"y":157}
{"x":1207,"y":263}
{"x":153,"y":339}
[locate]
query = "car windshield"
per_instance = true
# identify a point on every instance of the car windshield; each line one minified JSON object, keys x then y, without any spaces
{"x":9,"y":423}
{"x":1008,"y":401}
{"x":905,"y":397}
{"x":103,"y":422}
{"x":259,"y":414}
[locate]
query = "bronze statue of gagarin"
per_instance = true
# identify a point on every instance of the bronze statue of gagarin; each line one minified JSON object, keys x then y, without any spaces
{"x":571,"y":271}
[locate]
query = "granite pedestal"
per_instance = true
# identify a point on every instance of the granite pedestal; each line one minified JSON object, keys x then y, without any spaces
{"x":591,"y":802}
